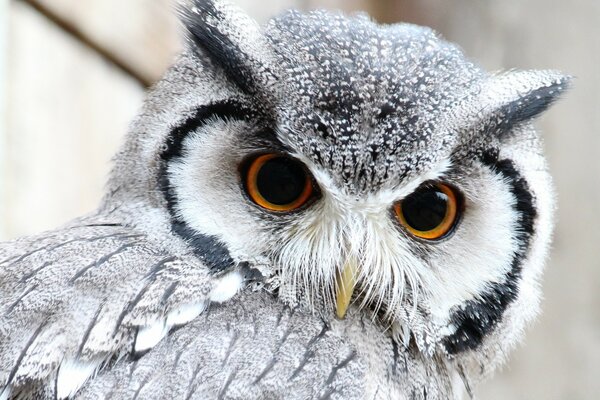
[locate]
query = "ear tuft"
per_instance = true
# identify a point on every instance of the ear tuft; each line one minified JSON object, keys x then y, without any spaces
{"x":524,"y":95}
{"x":231,"y":39}
{"x":504,"y":101}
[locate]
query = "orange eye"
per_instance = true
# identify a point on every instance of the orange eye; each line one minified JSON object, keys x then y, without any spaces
{"x":431,"y":212}
{"x":278,"y":183}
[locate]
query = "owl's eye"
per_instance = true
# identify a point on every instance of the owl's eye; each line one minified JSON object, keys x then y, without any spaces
{"x":277,"y":182}
{"x":431,"y":212}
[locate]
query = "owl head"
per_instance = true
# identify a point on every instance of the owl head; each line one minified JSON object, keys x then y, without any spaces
{"x":354,"y":169}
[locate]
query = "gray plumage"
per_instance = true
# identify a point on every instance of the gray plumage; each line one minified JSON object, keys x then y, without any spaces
{"x":179,"y":286}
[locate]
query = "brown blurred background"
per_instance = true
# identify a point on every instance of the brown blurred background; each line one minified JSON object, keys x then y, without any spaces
{"x":73,"y":74}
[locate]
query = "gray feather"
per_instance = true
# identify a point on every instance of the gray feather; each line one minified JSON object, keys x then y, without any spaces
{"x":181,"y":286}
{"x":81,"y":292}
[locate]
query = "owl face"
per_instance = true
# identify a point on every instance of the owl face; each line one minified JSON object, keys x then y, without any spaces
{"x":359,"y":168}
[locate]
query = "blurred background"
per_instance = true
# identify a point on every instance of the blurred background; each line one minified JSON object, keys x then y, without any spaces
{"x":73,"y":74}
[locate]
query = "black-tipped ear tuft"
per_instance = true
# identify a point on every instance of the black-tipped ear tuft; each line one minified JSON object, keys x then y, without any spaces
{"x":229,"y":38}
{"x":505,"y":101}
{"x":534,"y":93}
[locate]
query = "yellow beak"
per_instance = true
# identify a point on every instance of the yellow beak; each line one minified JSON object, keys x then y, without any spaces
{"x":344,"y":287}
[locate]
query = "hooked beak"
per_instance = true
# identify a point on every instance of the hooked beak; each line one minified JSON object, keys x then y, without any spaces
{"x":344,"y":287}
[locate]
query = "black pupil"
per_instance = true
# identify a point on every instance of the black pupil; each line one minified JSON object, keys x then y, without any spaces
{"x":425,"y":209}
{"x":281,"y":181}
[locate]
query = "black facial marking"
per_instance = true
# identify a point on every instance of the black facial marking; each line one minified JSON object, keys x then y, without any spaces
{"x":228,"y":109}
{"x":200,"y":22}
{"x":476,"y":318}
{"x":209,"y":249}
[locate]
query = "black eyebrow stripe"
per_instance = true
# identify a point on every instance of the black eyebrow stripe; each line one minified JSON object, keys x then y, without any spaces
{"x":223,"y":109}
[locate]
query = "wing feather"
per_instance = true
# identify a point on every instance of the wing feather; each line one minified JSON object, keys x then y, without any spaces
{"x":79,"y":294}
{"x":252,"y":347}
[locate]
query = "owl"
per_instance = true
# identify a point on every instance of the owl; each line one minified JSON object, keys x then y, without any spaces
{"x":319,"y":208}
